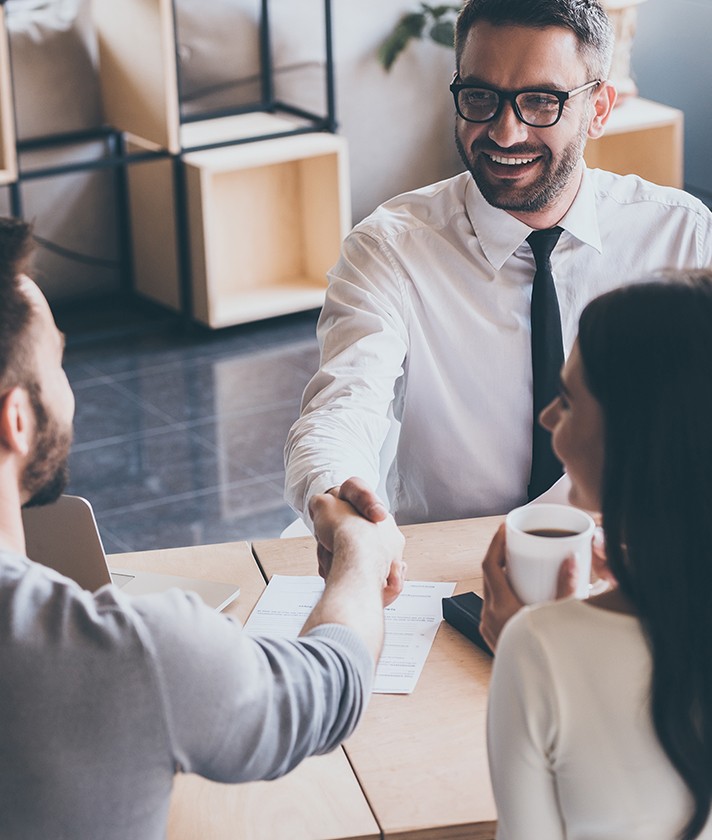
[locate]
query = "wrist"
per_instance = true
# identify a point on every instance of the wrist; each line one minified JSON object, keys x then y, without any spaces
{"x":358,"y":560}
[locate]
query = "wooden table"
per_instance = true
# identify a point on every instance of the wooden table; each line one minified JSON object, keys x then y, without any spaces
{"x":320,"y":800}
{"x":422,"y":759}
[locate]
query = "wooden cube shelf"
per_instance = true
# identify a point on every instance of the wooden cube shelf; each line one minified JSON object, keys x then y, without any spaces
{"x":8,"y":156}
{"x":643,"y":138}
{"x":266,"y":220}
{"x":138,"y":74}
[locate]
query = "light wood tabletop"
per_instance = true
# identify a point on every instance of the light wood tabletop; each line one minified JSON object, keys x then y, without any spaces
{"x":422,"y":758}
{"x":319,"y":800}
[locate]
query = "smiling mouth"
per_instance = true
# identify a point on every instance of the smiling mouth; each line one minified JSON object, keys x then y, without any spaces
{"x":510,"y":161}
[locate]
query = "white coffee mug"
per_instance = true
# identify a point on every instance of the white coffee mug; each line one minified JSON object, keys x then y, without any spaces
{"x":539,"y":538}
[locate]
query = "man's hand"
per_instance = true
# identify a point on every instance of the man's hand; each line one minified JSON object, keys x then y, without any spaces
{"x":362,"y":498}
{"x":344,"y":536}
{"x":363,"y":567}
{"x":501,"y":602}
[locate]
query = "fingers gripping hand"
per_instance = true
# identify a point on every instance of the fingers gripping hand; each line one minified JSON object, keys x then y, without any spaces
{"x":361,"y":499}
{"x":395,"y":581}
{"x":567,"y":579}
{"x":364,"y":500}
{"x":380,"y":544}
{"x":328,"y":513}
{"x":389,"y":542}
{"x":500,"y":602}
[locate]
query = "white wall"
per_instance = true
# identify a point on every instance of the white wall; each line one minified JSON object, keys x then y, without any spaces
{"x":399,"y":124}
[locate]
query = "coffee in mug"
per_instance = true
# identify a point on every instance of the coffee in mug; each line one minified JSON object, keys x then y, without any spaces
{"x":539,"y":537}
{"x":552,"y":532}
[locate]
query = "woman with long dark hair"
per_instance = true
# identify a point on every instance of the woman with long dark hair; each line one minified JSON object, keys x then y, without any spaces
{"x":600,"y":721}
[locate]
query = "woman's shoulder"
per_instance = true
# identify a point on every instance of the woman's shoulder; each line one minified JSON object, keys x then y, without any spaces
{"x":570,"y":617}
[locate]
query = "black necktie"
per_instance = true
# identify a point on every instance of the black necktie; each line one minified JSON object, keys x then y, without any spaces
{"x":547,"y":357}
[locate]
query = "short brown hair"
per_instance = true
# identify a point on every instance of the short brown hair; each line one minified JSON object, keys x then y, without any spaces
{"x":16,"y":245}
{"x":587,"y":19}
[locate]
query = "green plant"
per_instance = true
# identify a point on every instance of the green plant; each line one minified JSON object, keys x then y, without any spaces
{"x":438,"y":22}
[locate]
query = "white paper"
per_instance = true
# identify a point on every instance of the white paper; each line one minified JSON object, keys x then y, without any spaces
{"x":412,"y":621}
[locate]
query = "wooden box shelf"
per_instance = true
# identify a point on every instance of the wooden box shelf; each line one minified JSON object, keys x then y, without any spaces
{"x":644,"y":138}
{"x":138,"y":72}
{"x":8,"y":155}
{"x":266,"y":220}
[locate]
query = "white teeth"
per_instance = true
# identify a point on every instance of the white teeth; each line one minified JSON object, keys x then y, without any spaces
{"x":510,"y":161}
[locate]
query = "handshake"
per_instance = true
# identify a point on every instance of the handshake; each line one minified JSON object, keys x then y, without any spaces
{"x":357,"y":536}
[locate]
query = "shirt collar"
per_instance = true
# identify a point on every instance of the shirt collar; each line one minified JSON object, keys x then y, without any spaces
{"x":500,"y":234}
{"x":581,"y":220}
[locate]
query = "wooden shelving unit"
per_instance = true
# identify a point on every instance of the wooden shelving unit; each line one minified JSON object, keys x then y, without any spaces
{"x":8,"y":154}
{"x":265,"y":223}
{"x":251,"y":208}
{"x":642,"y":137}
{"x":226,"y":218}
{"x":138,"y":71}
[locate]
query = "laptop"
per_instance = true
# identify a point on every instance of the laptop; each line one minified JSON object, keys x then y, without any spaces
{"x":65,"y":537}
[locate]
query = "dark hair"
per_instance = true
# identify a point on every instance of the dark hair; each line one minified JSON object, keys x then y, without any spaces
{"x":647,"y":358}
{"x":15,"y":308}
{"x":585,"y":18}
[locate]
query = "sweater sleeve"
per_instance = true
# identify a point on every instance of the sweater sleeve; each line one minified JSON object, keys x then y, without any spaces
{"x":239,"y":708}
{"x":522,"y":726}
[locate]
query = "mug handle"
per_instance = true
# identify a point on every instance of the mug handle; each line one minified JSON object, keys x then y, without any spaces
{"x":598,"y":587}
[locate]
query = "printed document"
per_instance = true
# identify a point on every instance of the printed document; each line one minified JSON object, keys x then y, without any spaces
{"x":412,"y":621}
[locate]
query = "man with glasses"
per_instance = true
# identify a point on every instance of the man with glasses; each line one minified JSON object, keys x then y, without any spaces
{"x":432,"y":308}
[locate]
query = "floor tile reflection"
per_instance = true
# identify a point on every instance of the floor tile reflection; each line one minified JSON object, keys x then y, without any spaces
{"x":253,"y":510}
{"x":179,"y":437}
{"x":215,"y":387}
{"x":253,"y":441}
{"x":143,"y":468}
{"x":106,"y":411}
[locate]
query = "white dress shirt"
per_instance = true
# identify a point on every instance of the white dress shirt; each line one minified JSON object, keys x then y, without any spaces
{"x":572,"y":749}
{"x":428,"y":311}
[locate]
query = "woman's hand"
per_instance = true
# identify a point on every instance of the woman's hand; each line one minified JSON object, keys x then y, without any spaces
{"x":501,"y":601}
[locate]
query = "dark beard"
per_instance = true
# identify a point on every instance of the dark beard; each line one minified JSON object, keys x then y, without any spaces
{"x":541,"y":193}
{"x":46,"y":474}
{"x":52,"y":489}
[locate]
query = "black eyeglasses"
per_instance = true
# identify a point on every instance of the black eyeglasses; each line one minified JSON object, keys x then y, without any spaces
{"x":537,"y":108}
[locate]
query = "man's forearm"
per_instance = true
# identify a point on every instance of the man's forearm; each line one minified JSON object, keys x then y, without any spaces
{"x":353,"y":596}
{"x":344,"y":414}
{"x":322,"y":451}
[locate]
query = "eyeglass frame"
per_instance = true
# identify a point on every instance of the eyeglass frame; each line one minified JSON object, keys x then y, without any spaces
{"x":511,"y":96}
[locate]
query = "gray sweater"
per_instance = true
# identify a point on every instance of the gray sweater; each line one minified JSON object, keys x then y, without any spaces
{"x":104,"y":697}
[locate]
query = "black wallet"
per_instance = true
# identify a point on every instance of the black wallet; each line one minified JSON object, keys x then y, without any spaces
{"x":464,"y":613}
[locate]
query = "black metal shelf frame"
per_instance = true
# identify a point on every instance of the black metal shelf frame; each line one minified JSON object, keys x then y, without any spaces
{"x":118,"y":158}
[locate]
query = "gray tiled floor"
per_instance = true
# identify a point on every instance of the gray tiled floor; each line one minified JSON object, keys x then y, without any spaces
{"x":179,"y":436}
